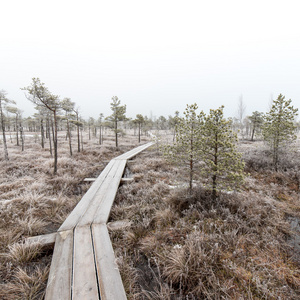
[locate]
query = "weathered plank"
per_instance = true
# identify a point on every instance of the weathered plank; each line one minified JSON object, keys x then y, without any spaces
{"x":134,"y":151}
{"x":84,"y":269}
{"x":110,"y":282}
{"x":83,"y":204}
{"x":60,"y":276}
{"x":126,"y":180}
{"x":105,"y":193}
{"x":103,"y":211}
{"x":45,"y":240}
{"x":89,"y":179}
{"x":84,"y":253}
{"x":117,"y":225}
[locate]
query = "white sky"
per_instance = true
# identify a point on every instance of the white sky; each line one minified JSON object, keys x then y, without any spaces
{"x":156,"y":56}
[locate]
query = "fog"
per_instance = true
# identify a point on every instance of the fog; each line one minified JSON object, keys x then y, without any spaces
{"x":156,"y":56}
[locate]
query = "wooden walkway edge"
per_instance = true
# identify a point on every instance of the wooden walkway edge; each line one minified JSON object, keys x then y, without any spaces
{"x":83,"y":264}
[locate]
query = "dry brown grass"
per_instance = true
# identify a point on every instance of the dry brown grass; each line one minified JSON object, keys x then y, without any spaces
{"x":26,"y":284}
{"x":24,"y":251}
{"x":179,"y":246}
{"x":34,"y":202}
{"x":183,"y":246}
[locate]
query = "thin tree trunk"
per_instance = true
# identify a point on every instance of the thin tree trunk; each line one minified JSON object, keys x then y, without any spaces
{"x":78,"y":138}
{"x":191,"y":174}
{"x":49,"y":137}
{"x":21,"y":137}
{"x":81,"y":139}
{"x":214,"y":177}
{"x":191,"y":163}
{"x":139,"y":132}
{"x":4,"y":142}
{"x":3,"y":133}
{"x":69,"y":136}
{"x":55,"y":142}
{"x":42,"y":134}
{"x":100,"y":138}
{"x":17,"y":130}
{"x":116,"y":133}
{"x":252,"y":136}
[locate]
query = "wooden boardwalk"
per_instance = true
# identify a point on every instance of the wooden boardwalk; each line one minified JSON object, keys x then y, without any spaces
{"x":83,"y":264}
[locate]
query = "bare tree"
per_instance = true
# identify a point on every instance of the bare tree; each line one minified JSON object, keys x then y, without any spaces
{"x":241,"y":113}
{"x":68,"y":106}
{"x":79,"y":124}
{"x":3,"y":103}
{"x":17,"y":113}
{"x":100,"y":129}
{"x":39,"y":94}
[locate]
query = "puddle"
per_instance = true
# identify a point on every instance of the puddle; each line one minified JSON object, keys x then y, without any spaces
{"x":294,"y":240}
{"x":127,"y":173}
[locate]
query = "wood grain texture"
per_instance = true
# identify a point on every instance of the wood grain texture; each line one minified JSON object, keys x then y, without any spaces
{"x":84,"y":269}
{"x":83,"y":252}
{"x":44,"y":240}
{"x":83,"y":204}
{"x":103,"y":194}
{"x":110,"y":282}
{"x":60,"y":276}
{"x":103,"y":211}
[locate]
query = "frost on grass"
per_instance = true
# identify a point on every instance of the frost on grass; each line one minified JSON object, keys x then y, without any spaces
{"x":183,"y":246}
{"x":34,"y":202}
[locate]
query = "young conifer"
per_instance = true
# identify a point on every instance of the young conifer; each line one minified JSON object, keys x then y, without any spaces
{"x":117,"y":116}
{"x":222,"y":163}
{"x":279,"y":127}
{"x":185,"y":149}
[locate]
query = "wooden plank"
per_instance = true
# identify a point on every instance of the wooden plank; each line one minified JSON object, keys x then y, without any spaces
{"x":110,"y":282}
{"x":117,"y":225}
{"x":59,"y":280}
{"x":45,"y":240}
{"x":103,"y":193}
{"x":84,"y":269}
{"x":126,"y":180}
{"x":134,"y":152}
{"x":89,"y":179}
{"x":83,"y":204}
{"x":103,"y":211}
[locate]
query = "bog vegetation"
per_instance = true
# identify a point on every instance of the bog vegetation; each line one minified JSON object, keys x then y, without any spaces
{"x":213,"y":208}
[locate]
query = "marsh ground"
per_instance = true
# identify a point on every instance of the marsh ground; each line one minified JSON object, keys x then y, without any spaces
{"x":34,"y":202}
{"x":179,"y":246}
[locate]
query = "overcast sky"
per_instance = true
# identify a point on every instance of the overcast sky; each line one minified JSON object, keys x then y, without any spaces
{"x":156,"y":56}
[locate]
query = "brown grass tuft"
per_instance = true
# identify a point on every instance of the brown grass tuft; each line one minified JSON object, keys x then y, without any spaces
{"x":26,"y":284}
{"x":24,"y":251}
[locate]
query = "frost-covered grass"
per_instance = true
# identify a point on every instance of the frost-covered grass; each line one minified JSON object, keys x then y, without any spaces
{"x":34,"y":202}
{"x":183,"y":246}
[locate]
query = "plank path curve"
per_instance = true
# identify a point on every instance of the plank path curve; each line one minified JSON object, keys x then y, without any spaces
{"x":83,"y":264}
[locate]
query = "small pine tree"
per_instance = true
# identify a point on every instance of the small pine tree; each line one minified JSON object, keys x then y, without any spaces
{"x":185,"y":150}
{"x":117,"y":115}
{"x":279,"y":127}
{"x":68,"y":106}
{"x":222,"y":163}
{"x":256,"y":121}
{"x":139,"y":120}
